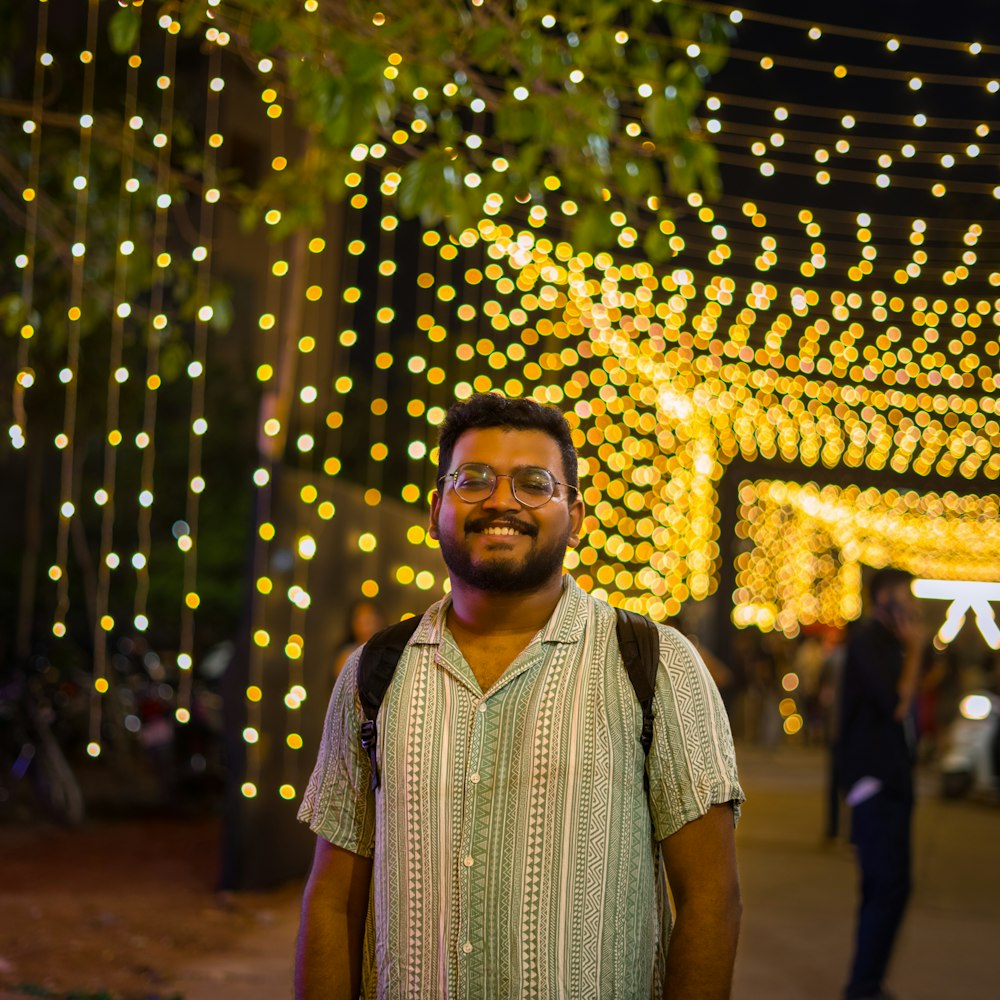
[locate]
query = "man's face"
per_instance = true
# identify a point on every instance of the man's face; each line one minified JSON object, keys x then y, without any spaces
{"x":499,"y":544}
{"x":898,"y":606}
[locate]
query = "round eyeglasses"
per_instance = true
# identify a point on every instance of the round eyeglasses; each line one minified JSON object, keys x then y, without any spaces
{"x":531,"y":486}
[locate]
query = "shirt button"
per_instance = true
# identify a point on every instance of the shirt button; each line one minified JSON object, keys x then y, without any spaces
{"x":474,"y":777}
{"x":467,"y":861}
{"x":482,"y":707}
{"x":467,"y":947}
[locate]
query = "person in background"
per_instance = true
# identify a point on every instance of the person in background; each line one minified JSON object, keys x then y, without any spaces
{"x":520,"y":842}
{"x":364,"y":619}
{"x":875,"y":757}
{"x":830,"y":685}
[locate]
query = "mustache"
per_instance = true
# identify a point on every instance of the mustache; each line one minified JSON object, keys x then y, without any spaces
{"x":482,"y":523}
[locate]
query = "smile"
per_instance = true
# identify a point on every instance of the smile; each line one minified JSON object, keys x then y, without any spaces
{"x":501,"y":532}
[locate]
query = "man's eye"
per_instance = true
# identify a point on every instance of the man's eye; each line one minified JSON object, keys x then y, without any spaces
{"x":473,"y":481}
{"x":534,"y":482}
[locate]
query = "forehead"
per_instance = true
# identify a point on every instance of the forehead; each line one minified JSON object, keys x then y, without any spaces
{"x":506,"y":449}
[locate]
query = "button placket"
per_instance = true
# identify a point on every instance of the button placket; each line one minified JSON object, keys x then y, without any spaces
{"x":469,"y":920}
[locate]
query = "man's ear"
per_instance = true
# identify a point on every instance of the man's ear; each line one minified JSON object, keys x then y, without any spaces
{"x":432,"y":526}
{"x":577,"y":511}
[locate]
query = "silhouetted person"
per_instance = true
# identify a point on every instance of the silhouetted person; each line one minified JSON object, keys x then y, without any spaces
{"x":875,"y":752}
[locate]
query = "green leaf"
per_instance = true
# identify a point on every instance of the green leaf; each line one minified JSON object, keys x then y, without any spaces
{"x":413,"y":187}
{"x":487,"y":48}
{"x":424,"y":189}
{"x":363,"y":63}
{"x":123,"y":29}
{"x":705,"y":163}
{"x":592,"y":229}
{"x":656,"y":245}
{"x":264,"y":35}
{"x":515,"y":122}
{"x":666,"y":118}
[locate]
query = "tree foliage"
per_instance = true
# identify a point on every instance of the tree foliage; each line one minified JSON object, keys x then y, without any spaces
{"x":546,"y":102}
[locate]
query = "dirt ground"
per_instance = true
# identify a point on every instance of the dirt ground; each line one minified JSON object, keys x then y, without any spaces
{"x":112,"y":910}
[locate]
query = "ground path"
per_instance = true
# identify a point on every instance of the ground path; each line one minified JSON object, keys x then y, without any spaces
{"x":129,"y":908}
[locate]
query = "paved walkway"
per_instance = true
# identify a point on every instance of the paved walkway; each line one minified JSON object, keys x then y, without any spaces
{"x":798,"y":902}
{"x":799,"y":898}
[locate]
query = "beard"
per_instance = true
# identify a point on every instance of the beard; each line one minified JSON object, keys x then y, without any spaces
{"x":504,"y":574}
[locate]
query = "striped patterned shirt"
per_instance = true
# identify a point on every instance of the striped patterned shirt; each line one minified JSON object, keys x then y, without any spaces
{"x":515,"y":848}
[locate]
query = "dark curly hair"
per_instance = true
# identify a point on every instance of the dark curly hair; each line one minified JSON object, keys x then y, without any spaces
{"x":489,"y":409}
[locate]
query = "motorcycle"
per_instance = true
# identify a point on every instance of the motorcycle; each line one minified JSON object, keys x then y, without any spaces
{"x":971,"y":763}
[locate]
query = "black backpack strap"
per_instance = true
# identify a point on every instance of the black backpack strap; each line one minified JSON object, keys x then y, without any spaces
{"x":639,"y":642}
{"x":379,"y":657}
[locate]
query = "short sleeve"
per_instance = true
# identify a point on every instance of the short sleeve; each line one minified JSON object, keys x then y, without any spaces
{"x":339,"y":804}
{"x":692,"y":762}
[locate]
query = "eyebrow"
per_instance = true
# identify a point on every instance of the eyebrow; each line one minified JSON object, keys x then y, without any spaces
{"x":517,"y":468}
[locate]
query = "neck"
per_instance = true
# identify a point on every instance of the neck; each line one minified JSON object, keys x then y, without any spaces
{"x":486,"y":612}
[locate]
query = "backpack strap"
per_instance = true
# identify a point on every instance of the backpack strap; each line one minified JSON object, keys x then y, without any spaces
{"x":639,"y":642}
{"x":379,"y":657}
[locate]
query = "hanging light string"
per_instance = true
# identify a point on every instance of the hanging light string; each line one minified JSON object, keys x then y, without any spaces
{"x":196,"y":370}
{"x":302,"y":295}
{"x":271,"y":437}
{"x":105,"y":497}
{"x":839,"y":255}
{"x":347,"y":337}
{"x":422,"y":385}
{"x":782,"y":110}
{"x":835,"y":172}
{"x":26,"y":261}
{"x":381,"y":334}
{"x":798,"y":140}
{"x":438,"y":333}
{"x":145,"y":440}
{"x":66,"y":440}
{"x":295,"y":652}
{"x":769,"y":61}
{"x":739,"y":14}
{"x":296,"y":344}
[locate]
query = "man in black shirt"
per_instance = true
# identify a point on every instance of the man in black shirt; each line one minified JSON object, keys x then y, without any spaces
{"x":875,"y":751}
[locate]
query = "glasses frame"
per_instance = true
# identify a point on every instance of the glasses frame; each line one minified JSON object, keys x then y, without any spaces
{"x":497,"y":476}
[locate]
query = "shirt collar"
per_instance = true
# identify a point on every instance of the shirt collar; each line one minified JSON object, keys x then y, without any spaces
{"x":565,"y":625}
{"x":567,"y":621}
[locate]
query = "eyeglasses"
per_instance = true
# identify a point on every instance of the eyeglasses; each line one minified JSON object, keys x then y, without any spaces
{"x":532,"y":487}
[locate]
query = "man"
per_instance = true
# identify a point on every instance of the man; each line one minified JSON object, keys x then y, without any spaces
{"x":511,"y":849}
{"x":875,"y":766}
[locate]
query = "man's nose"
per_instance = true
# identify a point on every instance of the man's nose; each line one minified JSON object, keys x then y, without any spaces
{"x":503,"y":496}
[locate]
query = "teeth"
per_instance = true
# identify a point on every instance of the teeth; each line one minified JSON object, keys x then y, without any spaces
{"x":500,"y":531}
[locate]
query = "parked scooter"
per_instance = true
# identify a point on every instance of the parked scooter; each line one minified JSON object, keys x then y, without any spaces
{"x":971,"y":763}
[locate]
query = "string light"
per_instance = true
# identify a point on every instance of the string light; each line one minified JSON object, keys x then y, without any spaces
{"x":67,"y":487}
{"x":26,"y":261}
{"x":158,"y":322}
{"x":204,"y":315}
{"x":808,"y":544}
{"x":108,"y":560}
